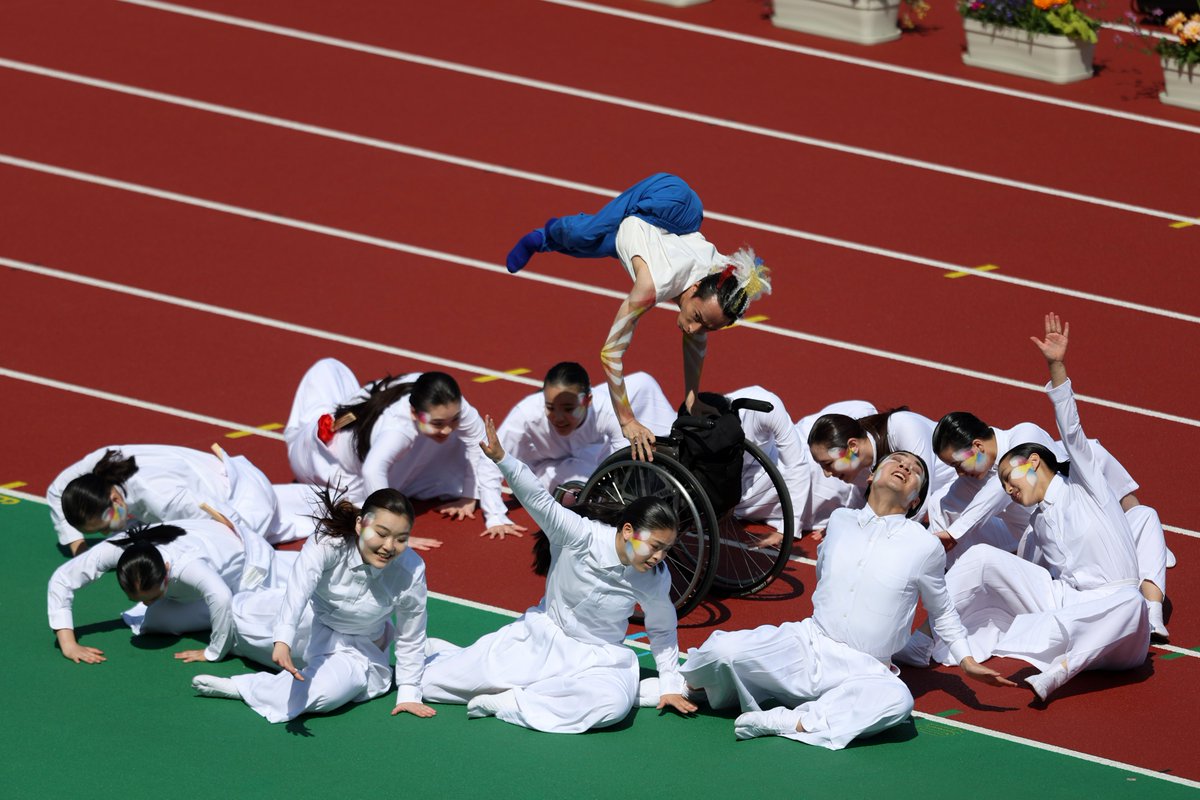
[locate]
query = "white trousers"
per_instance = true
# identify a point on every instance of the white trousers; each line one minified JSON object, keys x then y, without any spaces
{"x":560,"y":684}
{"x":1013,"y":608}
{"x":840,"y":693}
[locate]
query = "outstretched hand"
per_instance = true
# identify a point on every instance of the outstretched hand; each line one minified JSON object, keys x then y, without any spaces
{"x":282,"y":655}
{"x":416,"y":709}
{"x":677,"y":702}
{"x":1054,"y":346}
{"x":641,"y":440}
{"x":491,"y":442}
{"x":978,"y":672}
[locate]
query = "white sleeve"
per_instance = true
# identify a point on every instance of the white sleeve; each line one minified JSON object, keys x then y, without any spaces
{"x":409,"y":645}
{"x":74,"y":575}
{"x":1086,"y":469}
{"x":608,"y":426}
{"x":562,"y":527}
{"x":487,"y":476}
{"x":386,"y":450}
{"x":207,"y":582}
{"x":315,"y":557}
{"x":931,"y":584}
{"x":661,"y":623}
{"x":514,"y":431}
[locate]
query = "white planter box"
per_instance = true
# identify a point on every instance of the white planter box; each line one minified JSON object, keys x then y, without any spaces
{"x":1182,"y":85}
{"x":1043,"y":56}
{"x":860,"y":21}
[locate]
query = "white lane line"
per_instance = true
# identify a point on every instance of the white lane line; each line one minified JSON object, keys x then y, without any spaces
{"x":134,"y":402}
{"x":213,"y":205}
{"x":858,"y":62}
{"x":1184,"y":531}
{"x":345,"y":136}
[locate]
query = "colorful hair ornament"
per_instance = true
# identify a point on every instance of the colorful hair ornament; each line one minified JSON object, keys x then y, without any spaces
{"x":752,"y":275}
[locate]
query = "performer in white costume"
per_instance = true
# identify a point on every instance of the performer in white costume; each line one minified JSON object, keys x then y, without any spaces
{"x":563,"y":432}
{"x":653,"y":228}
{"x":115,"y":486}
{"x":183,"y":575}
{"x":562,"y":667}
{"x":832,"y":672}
{"x":359,"y":574}
{"x":828,"y":492}
{"x":415,"y":433}
{"x":1085,"y":612}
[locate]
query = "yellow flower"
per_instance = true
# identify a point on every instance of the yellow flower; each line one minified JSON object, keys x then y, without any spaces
{"x":1175,"y":22}
{"x":1190,"y":32}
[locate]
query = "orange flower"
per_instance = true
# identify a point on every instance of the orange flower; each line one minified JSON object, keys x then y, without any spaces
{"x":1046,"y":5}
{"x":1175,"y":22}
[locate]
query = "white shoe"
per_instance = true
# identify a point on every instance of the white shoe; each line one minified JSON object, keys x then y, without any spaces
{"x":488,"y":705}
{"x":916,"y":651}
{"x":213,"y":686}
{"x":1158,"y":628}
{"x":1047,"y":683}
{"x":776,"y":722}
{"x":1170,"y":559}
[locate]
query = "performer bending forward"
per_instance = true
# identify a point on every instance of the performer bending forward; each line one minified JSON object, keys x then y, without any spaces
{"x":832,"y":672}
{"x":562,"y":667}
{"x":653,"y":228}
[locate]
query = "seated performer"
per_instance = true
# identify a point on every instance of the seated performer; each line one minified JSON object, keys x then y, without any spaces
{"x":653,"y":228}
{"x":831,"y":673}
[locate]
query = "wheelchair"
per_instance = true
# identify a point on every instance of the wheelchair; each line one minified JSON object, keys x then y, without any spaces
{"x":734,"y":553}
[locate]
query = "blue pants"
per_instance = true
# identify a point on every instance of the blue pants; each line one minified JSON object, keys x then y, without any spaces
{"x":663,"y":200}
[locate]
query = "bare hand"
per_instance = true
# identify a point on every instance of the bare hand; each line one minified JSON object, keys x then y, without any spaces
{"x":641,"y":440}
{"x":282,"y":655}
{"x":491,"y":442}
{"x":504,"y":530}
{"x":1054,"y":347}
{"x":698,"y":408}
{"x":190,"y":656}
{"x":87,"y":655}
{"x":978,"y":672}
{"x":948,"y":541}
{"x":772,"y":539}
{"x":462,"y":508}
{"x":816,"y":537}
{"x":416,"y":709}
{"x":677,"y":702}
{"x":422,"y":543}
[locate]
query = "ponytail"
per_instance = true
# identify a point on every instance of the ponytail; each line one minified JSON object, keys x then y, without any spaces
{"x":428,"y":390}
{"x":141,"y":565}
{"x":338,"y":517}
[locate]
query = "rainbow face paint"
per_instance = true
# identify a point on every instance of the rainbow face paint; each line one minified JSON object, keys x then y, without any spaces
{"x":367,"y":538}
{"x":638,"y":546}
{"x":844,"y":459}
{"x":428,"y":427}
{"x":1022,"y":468}
{"x":971,"y":460}
{"x":115,"y":517}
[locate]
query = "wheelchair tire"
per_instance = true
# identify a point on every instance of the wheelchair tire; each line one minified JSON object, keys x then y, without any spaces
{"x":620,"y":480}
{"x":743,"y":567}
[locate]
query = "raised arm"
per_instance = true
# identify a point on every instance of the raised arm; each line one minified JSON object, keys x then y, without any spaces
{"x":487,"y":478}
{"x":612,"y":357}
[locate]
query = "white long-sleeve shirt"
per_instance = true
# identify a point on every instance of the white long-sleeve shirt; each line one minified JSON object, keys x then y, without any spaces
{"x":775,"y":434}
{"x":1083,"y":532}
{"x":400,"y":457}
{"x":675,"y":262}
{"x":204,"y":564}
{"x":355,"y":598}
{"x":589,"y":592}
{"x":870,"y":572}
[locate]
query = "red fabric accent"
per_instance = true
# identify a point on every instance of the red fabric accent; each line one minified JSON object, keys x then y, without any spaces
{"x":325,"y":429}
{"x":726,"y":273}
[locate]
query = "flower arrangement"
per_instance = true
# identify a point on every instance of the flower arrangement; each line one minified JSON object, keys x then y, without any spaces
{"x":1059,"y":17}
{"x":1187,"y":49}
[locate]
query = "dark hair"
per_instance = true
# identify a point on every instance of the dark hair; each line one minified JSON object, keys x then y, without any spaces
{"x":141,"y":566}
{"x":836,"y":430}
{"x":430,"y":389}
{"x":733,"y":299}
{"x":922,"y":493}
{"x":338,"y":516}
{"x":957,"y":430}
{"x":1029,"y":448}
{"x":645,"y":513}
{"x":87,"y":496}
{"x":568,"y":373}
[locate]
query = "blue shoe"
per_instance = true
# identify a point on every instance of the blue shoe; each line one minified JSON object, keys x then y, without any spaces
{"x":529,"y":244}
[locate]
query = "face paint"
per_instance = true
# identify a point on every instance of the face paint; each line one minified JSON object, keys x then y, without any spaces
{"x":637,"y":545}
{"x":971,"y":460}
{"x":115,"y":517}
{"x":365,"y":533}
{"x":425,"y":425}
{"x":1022,"y":468}
{"x":844,"y":459}
{"x":580,"y":411}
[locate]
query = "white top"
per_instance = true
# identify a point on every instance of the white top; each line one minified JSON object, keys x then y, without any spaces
{"x":675,"y":262}
{"x":907,"y":430}
{"x":589,"y":592}
{"x":395,"y":438}
{"x":1084,"y":534}
{"x":170,"y":484}
{"x":776,"y":436}
{"x":355,"y":598}
{"x":204,"y":564}
{"x":870,"y":571}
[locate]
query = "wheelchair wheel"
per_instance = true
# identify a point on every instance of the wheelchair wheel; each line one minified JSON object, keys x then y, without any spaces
{"x":752,"y":553}
{"x":620,"y":480}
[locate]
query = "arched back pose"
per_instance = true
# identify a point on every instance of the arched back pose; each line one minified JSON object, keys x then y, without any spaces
{"x":115,"y":486}
{"x":563,"y":432}
{"x":832,"y":673}
{"x":366,"y":588}
{"x":849,"y":449}
{"x":830,"y":493}
{"x":562,"y":667}
{"x":183,"y":575}
{"x":653,"y":228}
{"x":415,"y":433}
{"x":1091,"y":615}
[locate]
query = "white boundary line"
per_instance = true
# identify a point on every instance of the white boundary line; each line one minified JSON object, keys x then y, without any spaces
{"x":852,"y":60}
{"x":332,"y":133}
{"x":919,"y":714}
